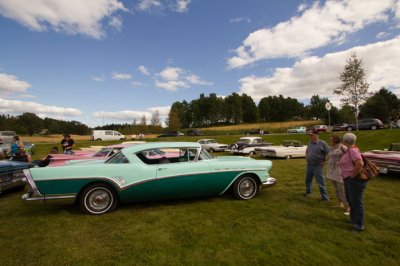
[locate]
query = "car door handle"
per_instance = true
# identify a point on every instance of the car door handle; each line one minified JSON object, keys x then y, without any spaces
{"x":162,"y":168}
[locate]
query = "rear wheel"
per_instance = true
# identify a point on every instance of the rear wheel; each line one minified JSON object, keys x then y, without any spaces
{"x":349,"y":128}
{"x":99,"y":139}
{"x":211,"y":150}
{"x":245,"y":187}
{"x":373,"y":127}
{"x":288,"y":157}
{"x":97,"y":199}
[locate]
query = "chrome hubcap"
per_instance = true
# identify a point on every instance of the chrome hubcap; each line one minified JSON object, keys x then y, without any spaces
{"x":99,"y":199}
{"x":246,"y":188}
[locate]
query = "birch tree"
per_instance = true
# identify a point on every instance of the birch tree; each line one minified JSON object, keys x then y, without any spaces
{"x":354,"y":88}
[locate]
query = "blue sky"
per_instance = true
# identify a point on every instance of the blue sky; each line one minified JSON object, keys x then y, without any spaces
{"x":108,"y":61}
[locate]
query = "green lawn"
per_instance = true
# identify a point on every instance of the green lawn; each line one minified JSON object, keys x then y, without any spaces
{"x":278,"y":227}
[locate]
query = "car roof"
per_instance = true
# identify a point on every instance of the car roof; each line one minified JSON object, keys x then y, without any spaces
{"x":155,"y":145}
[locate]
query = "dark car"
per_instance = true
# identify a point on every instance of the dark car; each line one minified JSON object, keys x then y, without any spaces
{"x":367,"y":123}
{"x":11,"y":174}
{"x":256,"y":131}
{"x":171,"y":134}
{"x":194,"y":132}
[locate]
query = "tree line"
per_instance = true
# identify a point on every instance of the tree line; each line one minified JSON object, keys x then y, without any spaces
{"x":236,"y":109}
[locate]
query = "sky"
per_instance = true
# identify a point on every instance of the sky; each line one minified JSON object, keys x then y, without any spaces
{"x":113,"y":61}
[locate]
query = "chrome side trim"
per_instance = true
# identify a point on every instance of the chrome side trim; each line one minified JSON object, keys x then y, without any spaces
{"x":41,"y":199}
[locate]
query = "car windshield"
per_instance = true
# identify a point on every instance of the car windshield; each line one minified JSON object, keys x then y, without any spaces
{"x":204,"y":155}
{"x":246,"y":141}
{"x":212,"y":141}
{"x":117,"y":158}
{"x":103,"y":152}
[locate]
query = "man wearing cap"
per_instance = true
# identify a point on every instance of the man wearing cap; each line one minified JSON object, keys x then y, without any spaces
{"x":67,"y":144}
{"x":316,"y":153}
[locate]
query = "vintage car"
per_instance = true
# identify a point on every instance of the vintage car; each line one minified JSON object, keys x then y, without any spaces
{"x":297,"y":130}
{"x":246,"y":145}
{"x":11,"y":174}
{"x":288,"y":149}
{"x":171,"y":134}
{"x":102,"y":154}
{"x":211,"y":145}
{"x":387,"y":160}
{"x":320,"y":128}
{"x":138,"y":173}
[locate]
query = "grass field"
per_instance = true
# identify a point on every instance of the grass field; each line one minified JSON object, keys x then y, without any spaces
{"x":278,"y":227}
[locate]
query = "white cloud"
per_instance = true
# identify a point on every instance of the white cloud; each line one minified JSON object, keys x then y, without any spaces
{"x":316,"y":27}
{"x":121,"y":76}
{"x":136,"y":83}
{"x":319,"y":75}
{"x":173,"y":78}
{"x":382,"y":35}
{"x":147,"y":5}
{"x":301,"y":7}
{"x":129,"y":115}
{"x":98,"y":78}
{"x":144,"y":70}
{"x":71,"y":17}
{"x":11,"y":84}
{"x":194,"y":79}
{"x":179,"y":6}
{"x":18,"y":107}
{"x":116,"y":22}
{"x":240,"y":19}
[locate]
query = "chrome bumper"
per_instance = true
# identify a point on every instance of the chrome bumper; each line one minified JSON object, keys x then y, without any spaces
{"x":269,"y":183}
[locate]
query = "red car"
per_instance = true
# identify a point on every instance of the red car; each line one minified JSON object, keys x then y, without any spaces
{"x":320,"y":128}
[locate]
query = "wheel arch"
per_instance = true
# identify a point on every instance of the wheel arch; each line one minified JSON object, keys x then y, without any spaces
{"x":98,"y":181}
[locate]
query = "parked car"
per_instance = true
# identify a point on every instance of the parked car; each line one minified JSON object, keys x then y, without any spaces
{"x":102,"y":154}
{"x":246,"y":145}
{"x":211,"y":145}
{"x":297,"y":130}
{"x":107,"y":135}
{"x":11,"y":174}
{"x":194,"y":132}
{"x":288,"y":149}
{"x":136,"y":174}
{"x":171,"y":134}
{"x":320,"y":128}
{"x":256,"y":131}
{"x":339,"y":127}
{"x":7,"y":136}
{"x":387,"y":160}
{"x":368,"y":123}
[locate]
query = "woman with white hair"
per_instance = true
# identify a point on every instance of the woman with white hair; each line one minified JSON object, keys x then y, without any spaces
{"x":351,"y":165}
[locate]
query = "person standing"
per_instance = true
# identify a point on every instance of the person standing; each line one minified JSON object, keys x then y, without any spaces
{"x":351,"y":165}
{"x":67,"y":144}
{"x":335,"y":154}
{"x":316,"y":157}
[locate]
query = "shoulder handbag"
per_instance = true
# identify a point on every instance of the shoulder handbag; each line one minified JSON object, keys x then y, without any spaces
{"x":369,"y":170}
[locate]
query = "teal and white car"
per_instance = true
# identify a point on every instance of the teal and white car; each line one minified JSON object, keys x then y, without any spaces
{"x":148,"y":172}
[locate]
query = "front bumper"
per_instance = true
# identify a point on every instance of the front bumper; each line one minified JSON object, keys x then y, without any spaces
{"x":269,"y":183}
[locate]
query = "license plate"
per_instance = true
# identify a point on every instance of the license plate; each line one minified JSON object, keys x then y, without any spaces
{"x":383,"y":170}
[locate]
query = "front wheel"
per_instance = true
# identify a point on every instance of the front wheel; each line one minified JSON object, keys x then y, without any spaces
{"x":97,"y":199}
{"x":349,"y":128}
{"x":245,"y":187}
{"x":211,"y":150}
{"x":373,"y":127}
